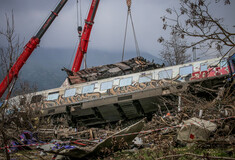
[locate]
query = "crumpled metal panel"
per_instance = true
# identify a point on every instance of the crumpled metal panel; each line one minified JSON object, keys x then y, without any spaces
{"x":123,"y":66}
{"x":133,"y":65}
{"x":79,"y":152}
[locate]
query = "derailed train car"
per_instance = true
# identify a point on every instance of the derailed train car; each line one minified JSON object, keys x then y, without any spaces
{"x":124,"y":90}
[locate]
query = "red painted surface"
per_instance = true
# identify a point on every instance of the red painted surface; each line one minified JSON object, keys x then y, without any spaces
{"x":14,"y":71}
{"x":211,"y":72}
{"x":191,"y":136}
{"x":28,"y":49}
{"x":199,"y":75}
{"x":83,"y":45}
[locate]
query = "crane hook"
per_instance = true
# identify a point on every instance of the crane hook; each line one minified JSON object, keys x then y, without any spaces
{"x":80,"y":31}
{"x":128,"y":2}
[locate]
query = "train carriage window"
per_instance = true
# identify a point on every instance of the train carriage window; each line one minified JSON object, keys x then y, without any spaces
{"x":52,"y":96}
{"x":23,"y":101}
{"x":116,"y":81}
{"x":106,"y":85}
{"x":186,"y":70}
{"x":165,"y":74}
{"x":203,"y":67}
{"x":125,"y":82}
{"x":146,"y":78}
{"x":223,"y":63}
{"x":70,"y":92}
{"x":36,"y":99}
{"x":88,"y":89}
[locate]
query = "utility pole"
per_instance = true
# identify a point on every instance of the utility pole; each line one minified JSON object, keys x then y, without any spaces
{"x":194,"y":54}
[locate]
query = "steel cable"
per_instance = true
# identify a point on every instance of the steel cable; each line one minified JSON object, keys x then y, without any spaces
{"x":128,"y":2}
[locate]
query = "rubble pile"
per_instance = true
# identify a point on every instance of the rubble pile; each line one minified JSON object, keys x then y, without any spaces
{"x":181,"y":129}
{"x":195,"y":122}
{"x":69,"y":133}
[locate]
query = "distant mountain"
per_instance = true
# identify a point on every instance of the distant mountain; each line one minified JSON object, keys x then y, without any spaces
{"x":44,"y":66}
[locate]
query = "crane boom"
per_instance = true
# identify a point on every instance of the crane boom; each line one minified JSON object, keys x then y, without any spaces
{"x":29,"y":48}
{"x":82,"y":47}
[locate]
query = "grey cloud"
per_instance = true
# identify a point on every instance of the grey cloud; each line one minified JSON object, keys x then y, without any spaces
{"x":108,"y":31}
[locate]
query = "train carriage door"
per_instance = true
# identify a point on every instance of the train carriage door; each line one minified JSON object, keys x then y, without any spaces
{"x":231,"y":62}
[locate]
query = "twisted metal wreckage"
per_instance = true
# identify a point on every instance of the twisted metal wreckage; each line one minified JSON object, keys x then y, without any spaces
{"x":127,"y":90}
{"x":109,"y":93}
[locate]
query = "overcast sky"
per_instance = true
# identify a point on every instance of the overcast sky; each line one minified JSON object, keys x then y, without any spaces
{"x":108,"y":30}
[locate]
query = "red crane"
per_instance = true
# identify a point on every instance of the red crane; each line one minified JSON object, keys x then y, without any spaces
{"x":29,"y":48}
{"x":82,"y":47}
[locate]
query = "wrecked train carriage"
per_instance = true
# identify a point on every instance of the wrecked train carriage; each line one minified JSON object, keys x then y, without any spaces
{"x":125,"y":90}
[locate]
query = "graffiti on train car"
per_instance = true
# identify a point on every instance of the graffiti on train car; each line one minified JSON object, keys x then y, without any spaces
{"x":89,"y":96}
{"x":210,"y":72}
{"x":187,"y":73}
{"x":132,"y":88}
{"x":70,"y":100}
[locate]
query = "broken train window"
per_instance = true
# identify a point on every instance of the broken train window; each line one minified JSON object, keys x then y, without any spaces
{"x":23,"y":101}
{"x":36,"y":98}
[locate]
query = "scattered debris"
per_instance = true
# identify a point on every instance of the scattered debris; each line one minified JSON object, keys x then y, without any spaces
{"x":166,"y":130}
{"x":196,"y":129}
{"x":101,"y":145}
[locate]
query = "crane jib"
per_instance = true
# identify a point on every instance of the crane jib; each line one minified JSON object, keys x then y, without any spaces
{"x":94,"y":11}
{"x":28,"y":49}
{"x":50,"y":19}
{"x":83,"y":45}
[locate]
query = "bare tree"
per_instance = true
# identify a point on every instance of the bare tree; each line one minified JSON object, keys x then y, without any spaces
{"x":174,"y":51}
{"x":20,"y":117}
{"x":9,"y":51}
{"x":194,"y":20}
{"x":8,"y":55}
